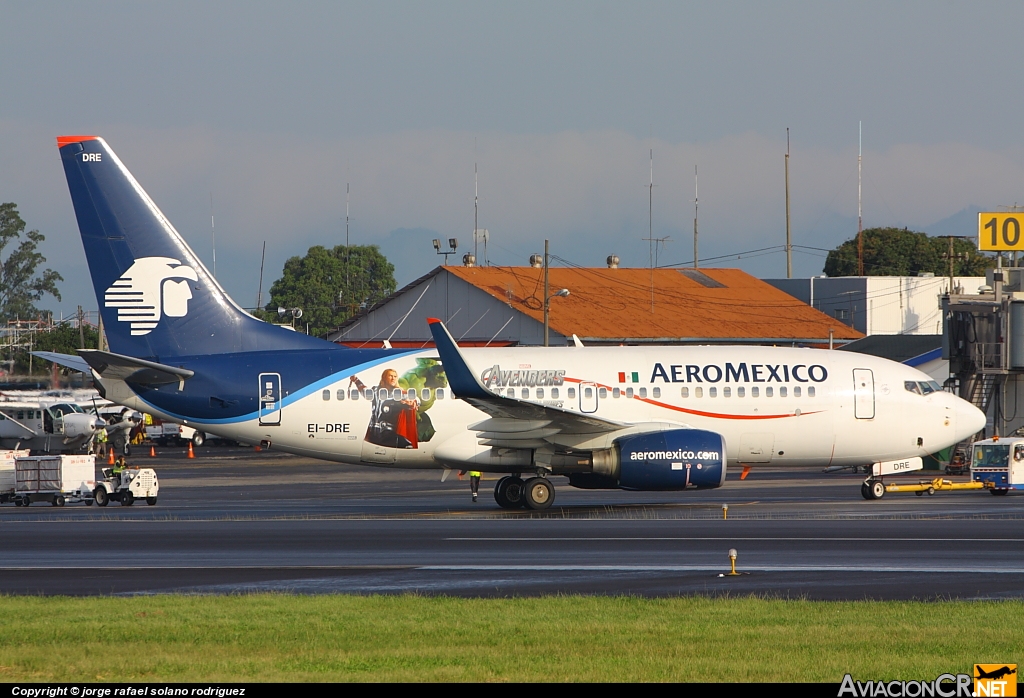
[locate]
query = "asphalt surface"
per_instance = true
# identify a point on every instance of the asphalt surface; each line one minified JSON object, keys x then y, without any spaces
{"x":235,"y":521}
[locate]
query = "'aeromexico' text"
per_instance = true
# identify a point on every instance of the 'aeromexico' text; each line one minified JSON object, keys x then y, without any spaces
{"x":495,"y":377}
{"x":740,"y":373}
{"x":675,"y":455}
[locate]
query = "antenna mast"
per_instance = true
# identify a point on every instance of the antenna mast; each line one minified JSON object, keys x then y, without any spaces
{"x":695,"y":217}
{"x":259,"y":294}
{"x":476,"y":209}
{"x":789,"y":238}
{"x":213,"y":233}
{"x":860,"y":226}
{"x":348,"y":255}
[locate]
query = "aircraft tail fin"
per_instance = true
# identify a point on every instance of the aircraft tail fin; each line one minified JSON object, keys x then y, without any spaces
{"x":157,"y":298}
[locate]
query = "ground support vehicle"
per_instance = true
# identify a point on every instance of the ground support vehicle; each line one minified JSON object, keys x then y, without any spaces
{"x":937,"y":485}
{"x":54,"y":479}
{"x":126,"y":486}
{"x":172,"y":434}
{"x":7,"y":477}
{"x":999,"y":464}
{"x":874,"y":486}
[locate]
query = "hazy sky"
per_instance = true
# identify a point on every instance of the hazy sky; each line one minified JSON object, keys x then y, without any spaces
{"x":274,"y":107}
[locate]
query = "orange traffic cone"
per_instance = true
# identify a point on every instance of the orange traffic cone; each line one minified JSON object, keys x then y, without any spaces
{"x":110,"y":457}
{"x":152,"y":451}
{"x":190,"y":452}
{"x":257,"y":449}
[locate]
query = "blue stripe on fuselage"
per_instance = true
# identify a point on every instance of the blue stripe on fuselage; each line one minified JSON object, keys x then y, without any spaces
{"x":224,"y":387}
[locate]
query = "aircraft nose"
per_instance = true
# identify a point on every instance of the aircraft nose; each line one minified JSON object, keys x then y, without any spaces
{"x":969,"y":419}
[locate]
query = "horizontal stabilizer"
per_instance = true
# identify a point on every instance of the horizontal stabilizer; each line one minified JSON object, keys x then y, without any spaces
{"x":75,"y":363}
{"x":132,"y":370}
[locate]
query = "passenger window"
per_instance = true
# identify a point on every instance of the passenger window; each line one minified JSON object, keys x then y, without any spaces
{"x":411,"y":394}
{"x":643,"y":392}
{"x":712,"y":392}
{"x":810,"y":391}
{"x":439,"y":393}
{"x":327,"y":395}
{"x":685,"y":392}
{"x":425,"y":394}
{"x":911,"y":386}
{"x":768,"y":392}
{"x":602,"y":393}
{"x":21,"y":415}
{"x":657,"y":392}
{"x":554,"y":393}
{"x":698,"y":392}
{"x":354,"y":394}
{"x":526,"y":393}
{"x":616,"y":392}
{"x":572,"y":393}
{"x":796,"y":391}
{"x":397,"y":394}
{"x":726,"y":392}
{"x":511,"y":392}
{"x":755,"y":391}
{"x":629,"y":392}
{"x":368,"y":393}
{"x":782,"y":391}
{"x":540,"y":393}
{"x":341,"y":394}
{"x":741,"y":391}
{"x":588,"y":393}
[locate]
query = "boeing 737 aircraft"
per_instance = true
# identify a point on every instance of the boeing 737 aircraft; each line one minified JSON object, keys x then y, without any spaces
{"x":651,"y":418}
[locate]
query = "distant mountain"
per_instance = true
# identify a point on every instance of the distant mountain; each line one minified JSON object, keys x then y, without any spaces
{"x":963,"y":222}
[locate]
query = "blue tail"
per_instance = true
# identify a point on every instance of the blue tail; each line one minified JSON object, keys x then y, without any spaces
{"x":157,"y":299}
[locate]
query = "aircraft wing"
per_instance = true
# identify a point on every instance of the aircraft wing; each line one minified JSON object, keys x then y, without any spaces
{"x":76,"y":363}
{"x":513,"y":423}
{"x":127,"y":368}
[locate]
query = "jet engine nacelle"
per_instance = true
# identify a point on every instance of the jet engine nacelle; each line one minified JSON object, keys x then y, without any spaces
{"x":675,"y":459}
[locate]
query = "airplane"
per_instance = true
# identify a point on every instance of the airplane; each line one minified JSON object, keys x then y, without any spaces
{"x":632,"y":418}
{"x":61,"y":427}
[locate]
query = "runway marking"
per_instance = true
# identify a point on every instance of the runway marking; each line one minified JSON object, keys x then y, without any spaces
{"x":543,"y":568}
{"x":872,"y":539}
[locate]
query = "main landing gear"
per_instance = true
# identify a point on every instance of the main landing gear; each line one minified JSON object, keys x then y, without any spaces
{"x":512,"y":492}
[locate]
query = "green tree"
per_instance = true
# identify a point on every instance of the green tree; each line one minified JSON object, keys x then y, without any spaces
{"x":902,"y":252}
{"x":63,"y":338}
{"x":329,"y":285}
{"x":20,"y":286}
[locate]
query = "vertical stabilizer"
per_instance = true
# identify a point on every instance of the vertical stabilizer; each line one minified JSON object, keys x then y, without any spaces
{"x":157,"y":299}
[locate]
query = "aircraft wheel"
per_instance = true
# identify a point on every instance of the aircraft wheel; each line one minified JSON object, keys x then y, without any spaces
{"x":127,"y":498}
{"x":538,"y":493}
{"x":150,"y":501}
{"x":508,"y":493}
{"x":877,"y":489}
{"x":100,"y":494}
{"x":865,"y":491}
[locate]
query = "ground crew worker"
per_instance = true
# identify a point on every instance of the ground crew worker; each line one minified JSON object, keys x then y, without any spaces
{"x":120,"y":465}
{"x":100,"y":443}
{"x":474,"y":482}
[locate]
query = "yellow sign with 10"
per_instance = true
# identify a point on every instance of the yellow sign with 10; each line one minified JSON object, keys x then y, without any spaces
{"x":1001,"y":231}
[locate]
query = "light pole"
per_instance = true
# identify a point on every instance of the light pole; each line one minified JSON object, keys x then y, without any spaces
{"x":547,"y":302}
{"x":453,"y":243}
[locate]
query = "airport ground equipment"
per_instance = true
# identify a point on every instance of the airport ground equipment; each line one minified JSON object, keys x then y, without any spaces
{"x":7,"y":476}
{"x":932,"y":486}
{"x":999,"y":464}
{"x":127,"y":486}
{"x":54,"y":479}
{"x":874,"y":486}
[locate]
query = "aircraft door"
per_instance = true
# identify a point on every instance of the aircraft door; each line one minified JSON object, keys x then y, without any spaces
{"x":270,"y":399}
{"x":863,"y":393}
{"x":588,"y":397}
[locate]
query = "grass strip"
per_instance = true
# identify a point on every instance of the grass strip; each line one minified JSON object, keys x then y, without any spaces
{"x":277,"y":637}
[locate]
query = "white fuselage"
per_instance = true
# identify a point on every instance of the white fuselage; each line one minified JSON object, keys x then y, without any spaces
{"x":784,"y":406}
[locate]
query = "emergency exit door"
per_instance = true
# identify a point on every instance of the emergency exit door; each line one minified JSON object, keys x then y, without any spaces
{"x":863,"y":393}
{"x":270,"y":399}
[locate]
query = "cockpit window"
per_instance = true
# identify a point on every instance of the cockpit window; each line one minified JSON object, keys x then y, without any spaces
{"x":926,"y":388}
{"x":912,"y":387}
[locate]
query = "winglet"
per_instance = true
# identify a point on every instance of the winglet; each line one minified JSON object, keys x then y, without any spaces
{"x":460,"y":376}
